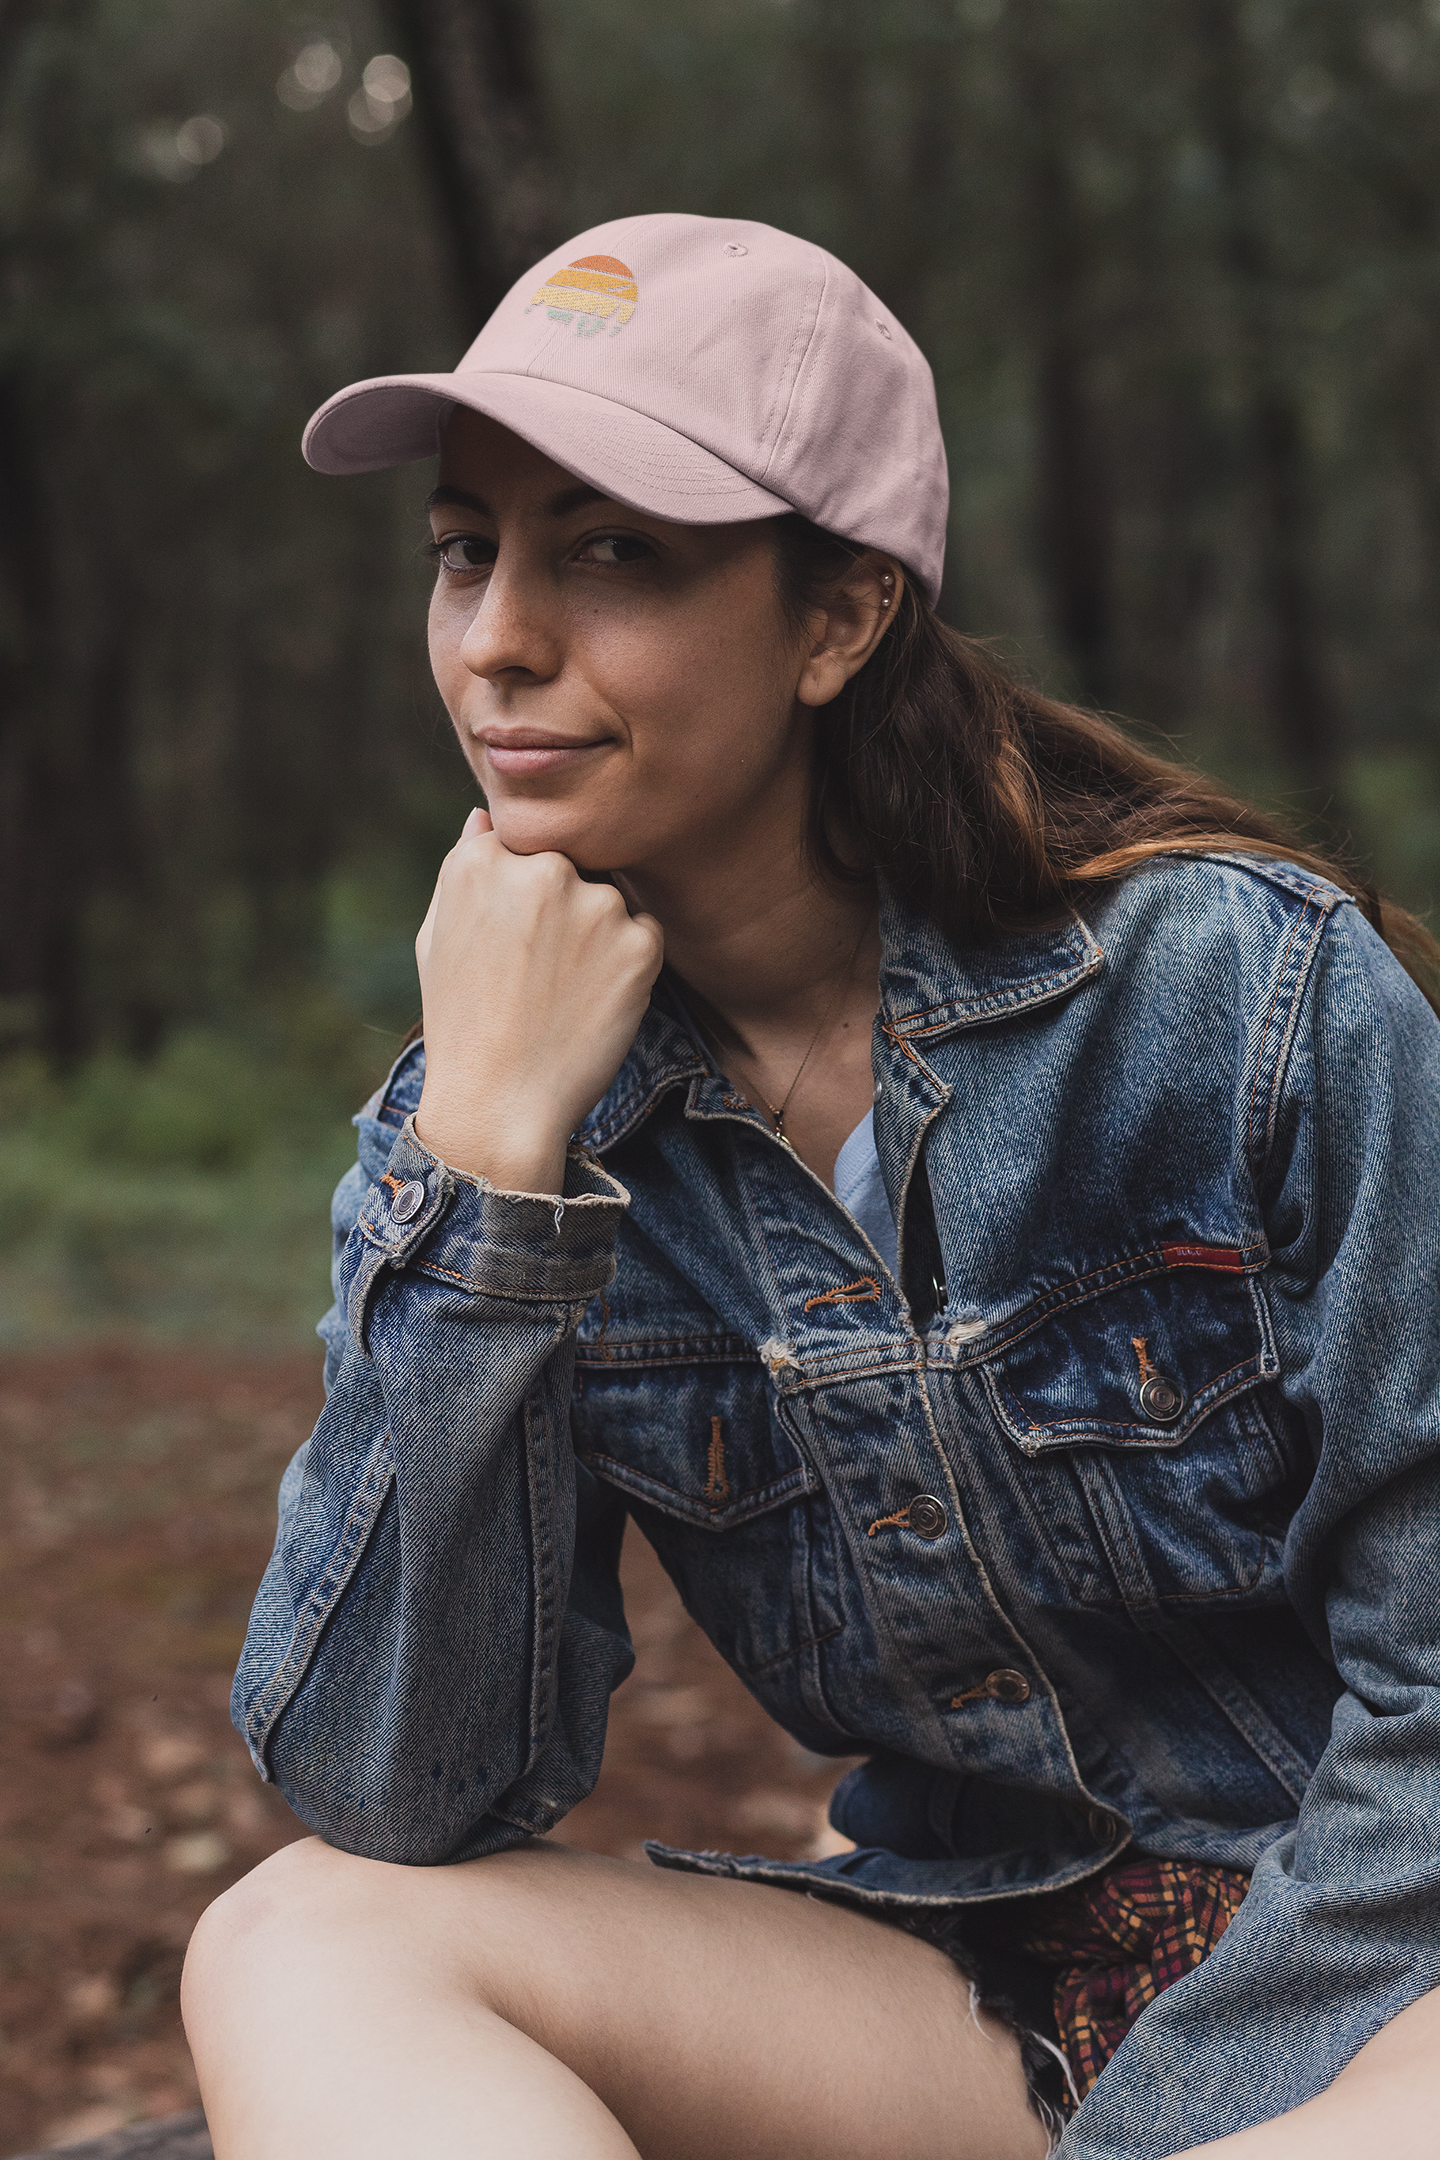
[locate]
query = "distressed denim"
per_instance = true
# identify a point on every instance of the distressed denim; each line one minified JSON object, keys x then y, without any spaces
{"x":1160,"y":1352}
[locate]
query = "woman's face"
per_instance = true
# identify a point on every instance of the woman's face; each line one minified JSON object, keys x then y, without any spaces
{"x":626,"y":690}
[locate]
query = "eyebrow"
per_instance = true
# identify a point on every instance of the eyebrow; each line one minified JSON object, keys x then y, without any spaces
{"x":561,"y":505}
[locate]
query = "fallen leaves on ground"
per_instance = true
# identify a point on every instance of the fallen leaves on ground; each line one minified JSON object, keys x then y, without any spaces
{"x":139,"y":1511}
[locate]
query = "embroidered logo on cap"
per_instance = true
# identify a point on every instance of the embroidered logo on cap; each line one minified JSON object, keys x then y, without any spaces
{"x":591,"y":292}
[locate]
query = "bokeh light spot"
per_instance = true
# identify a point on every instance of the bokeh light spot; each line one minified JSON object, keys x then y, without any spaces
{"x":376,"y":109}
{"x":311,"y":76}
{"x":318,"y":68}
{"x":201,"y":140}
{"x":387,"y":79}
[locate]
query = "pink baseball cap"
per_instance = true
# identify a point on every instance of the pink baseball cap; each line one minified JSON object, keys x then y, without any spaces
{"x":705,"y":370}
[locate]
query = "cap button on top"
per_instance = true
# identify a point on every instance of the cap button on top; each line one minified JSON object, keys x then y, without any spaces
{"x":406,"y":1204}
{"x":1161,"y":1400}
{"x":927,"y":1517}
{"x":1007,"y":1685}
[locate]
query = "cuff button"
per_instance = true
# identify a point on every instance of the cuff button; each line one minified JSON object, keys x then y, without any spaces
{"x":407,"y":1203}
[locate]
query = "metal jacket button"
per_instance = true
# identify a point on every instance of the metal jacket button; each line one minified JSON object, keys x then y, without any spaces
{"x":407,"y":1203}
{"x":927,"y":1517}
{"x":1102,"y":1826}
{"x":1007,"y":1685}
{"x":1161,"y":1399}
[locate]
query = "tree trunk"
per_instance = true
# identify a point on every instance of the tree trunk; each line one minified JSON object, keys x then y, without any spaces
{"x":36,"y":955}
{"x":478,"y":97}
{"x":1298,"y":698}
{"x":40,"y":879}
{"x":1075,"y":521}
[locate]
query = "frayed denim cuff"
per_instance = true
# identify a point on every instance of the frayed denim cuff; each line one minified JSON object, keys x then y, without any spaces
{"x":538,"y":1247}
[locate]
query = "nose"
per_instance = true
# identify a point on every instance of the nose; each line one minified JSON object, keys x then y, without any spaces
{"x":515,"y":634}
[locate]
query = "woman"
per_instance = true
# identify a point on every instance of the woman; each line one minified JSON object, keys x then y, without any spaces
{"x":1078,"y":1469}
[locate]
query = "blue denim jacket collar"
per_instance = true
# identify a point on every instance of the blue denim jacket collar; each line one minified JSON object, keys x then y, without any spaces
{"x":928,"y":989}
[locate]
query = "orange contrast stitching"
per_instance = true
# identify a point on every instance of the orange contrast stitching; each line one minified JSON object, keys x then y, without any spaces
{"x":1020,"y":1409}
{"x":893,"y":1035}
{"x":717,"y":1487}
{"x":1077,"y":1289}
{"x":392,"y":1181}
{"x":971,"y":1694}
{"x":888,"y":1522}
{"x":1142,"y":1352}
{"x":864,"y":1292}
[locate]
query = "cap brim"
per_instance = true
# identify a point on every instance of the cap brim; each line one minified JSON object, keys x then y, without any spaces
{"x":396,"y":419}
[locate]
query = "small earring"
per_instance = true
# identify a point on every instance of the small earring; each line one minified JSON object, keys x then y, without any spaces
{"x":887,"y":580}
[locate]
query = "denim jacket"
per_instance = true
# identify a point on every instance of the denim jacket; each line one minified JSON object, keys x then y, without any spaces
{"x":1113,"y":1522}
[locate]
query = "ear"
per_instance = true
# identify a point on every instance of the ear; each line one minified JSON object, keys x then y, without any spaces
{"x":845,"y":632}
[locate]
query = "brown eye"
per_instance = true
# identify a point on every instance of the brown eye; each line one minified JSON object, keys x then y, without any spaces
{"x":465,"y":551}
{"x":615,"y":549}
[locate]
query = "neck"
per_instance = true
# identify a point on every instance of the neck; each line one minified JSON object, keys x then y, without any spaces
{"x":779,"y":966}
{"x":761,"y":944}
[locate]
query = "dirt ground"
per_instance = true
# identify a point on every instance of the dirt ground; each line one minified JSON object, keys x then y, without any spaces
{"x":139,"y":1512}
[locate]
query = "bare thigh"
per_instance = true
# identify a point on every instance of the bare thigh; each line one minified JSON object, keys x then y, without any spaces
{"x":715,"y":2020}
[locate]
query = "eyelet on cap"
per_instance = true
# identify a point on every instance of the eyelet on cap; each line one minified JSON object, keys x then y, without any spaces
{"x":882,"y":327}
{"x":733,"y":247}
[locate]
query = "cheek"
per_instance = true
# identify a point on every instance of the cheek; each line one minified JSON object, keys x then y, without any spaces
{"x":445,"y":633}
{"x":703,"y":700}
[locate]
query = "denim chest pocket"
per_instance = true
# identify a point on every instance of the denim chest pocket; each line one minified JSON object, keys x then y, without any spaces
{"x":686,"y":1432}
{"x":1145,"y":1418}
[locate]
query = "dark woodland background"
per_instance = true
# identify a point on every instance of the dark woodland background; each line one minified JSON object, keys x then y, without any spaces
{"x":1177,"y":269}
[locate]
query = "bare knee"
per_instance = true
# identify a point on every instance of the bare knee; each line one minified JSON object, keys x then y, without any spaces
{"x":279,"y":1915}
{"x":309,"y":1918}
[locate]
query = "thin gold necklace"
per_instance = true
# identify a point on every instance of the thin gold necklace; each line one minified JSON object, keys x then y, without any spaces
{"x":777,"y":1110}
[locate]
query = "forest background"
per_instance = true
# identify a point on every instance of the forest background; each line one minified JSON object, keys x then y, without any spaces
{"x":1178,"y":271}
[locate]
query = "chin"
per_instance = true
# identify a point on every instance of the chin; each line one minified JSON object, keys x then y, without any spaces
{"x":541,"y":828}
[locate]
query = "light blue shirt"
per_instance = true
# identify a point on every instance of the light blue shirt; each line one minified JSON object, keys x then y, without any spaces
{"x":858,"y":1187}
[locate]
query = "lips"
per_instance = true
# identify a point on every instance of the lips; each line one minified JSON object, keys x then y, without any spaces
{"x":521,"y":752}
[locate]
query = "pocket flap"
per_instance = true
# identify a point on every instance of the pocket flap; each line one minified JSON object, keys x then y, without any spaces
{"x":686,"y":1427}
{"x":1142,"y":1363}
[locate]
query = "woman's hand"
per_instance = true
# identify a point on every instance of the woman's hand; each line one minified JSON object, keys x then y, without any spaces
{"x":533,"y":983}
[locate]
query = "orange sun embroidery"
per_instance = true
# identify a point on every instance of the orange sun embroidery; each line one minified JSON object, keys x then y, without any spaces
{"x":591,"y":292}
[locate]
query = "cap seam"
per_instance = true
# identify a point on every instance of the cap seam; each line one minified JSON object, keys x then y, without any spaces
{"x":799,"y":369}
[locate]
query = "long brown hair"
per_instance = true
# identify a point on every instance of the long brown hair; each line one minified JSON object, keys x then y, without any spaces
{"x":989,"y":807}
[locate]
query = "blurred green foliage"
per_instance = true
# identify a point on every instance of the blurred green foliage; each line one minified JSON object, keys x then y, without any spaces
{"x":1177,"y":269}
{"x":186,"y":1192}
{"x":186,"y":1195}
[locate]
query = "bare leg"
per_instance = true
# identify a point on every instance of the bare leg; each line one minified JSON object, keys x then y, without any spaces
{"x":548,"y":2004}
